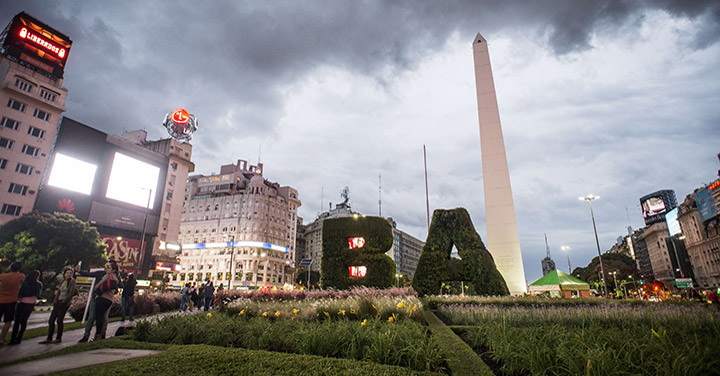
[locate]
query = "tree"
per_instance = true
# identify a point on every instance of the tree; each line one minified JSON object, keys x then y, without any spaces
{"x":48,"y":242}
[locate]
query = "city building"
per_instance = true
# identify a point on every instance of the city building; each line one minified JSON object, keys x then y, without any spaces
{"x":238,"y":213}
{"x":653,"y":239}
{"x":503,"y":241}
{"x":405,"y":251}
{"x":655,"y":205}
{"x":698,"y":218}
{"x":32,"y":100}
{"x":642,"y":255}
{"x":122,"y":185}
{"x":313,"y":230}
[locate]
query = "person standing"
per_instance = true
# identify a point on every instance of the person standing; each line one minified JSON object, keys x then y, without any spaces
{"x":62,"y":297}
{"x":106,"y":290}
{"x":27,"y":297}
{"x":208,"y":292}
{"x":9,"y":287}
{"x":128,"y":297}
{"x":185,"y":297}
{"x":194,"y":298}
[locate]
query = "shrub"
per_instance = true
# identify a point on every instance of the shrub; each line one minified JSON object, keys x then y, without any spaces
{"x":145,"y":304}
{"x":168,"y":301}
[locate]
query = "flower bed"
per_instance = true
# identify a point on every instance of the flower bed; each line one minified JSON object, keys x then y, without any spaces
{"x":144,"y":304}
{"x":600,"y":338}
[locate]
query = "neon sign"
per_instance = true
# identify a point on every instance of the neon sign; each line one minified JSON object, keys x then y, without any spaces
{"x":358,"y":271}
{"x":180,"y":124}
{"x":714,"y":185}
{"x":180,"y":116}
{"x":356,"y":242}
{"x":26,"y":34}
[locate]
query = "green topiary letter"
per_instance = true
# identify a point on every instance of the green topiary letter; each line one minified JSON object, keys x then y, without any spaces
{"x":338,"y":256}
{"x":476,"y":265}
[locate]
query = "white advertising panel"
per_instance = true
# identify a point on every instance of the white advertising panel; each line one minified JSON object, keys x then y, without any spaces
{"x":72,"y":174}
{"x":132,"y":180}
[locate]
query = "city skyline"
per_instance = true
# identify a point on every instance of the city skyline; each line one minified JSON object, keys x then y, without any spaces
{"x":617,"y":101}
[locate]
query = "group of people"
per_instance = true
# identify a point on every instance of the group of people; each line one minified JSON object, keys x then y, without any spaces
{"x":19,"y":293}
{"x":204,"y":296}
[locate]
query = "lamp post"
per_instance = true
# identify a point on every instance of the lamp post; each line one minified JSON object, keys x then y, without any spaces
{"x":567,"y":251}
{"x":589,"y":199}
{"x":614,"y":274}
{"x":142,"y":239}
{"x":232,"y":259}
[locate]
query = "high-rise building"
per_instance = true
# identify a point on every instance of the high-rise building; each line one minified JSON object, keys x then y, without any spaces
{"x":698,"y":218}
{"x":405,"y":251}
{"x":653,"y":237}
{"x":238,"y":212}
{"x":503,"y":241}
{"x":32,"y":100}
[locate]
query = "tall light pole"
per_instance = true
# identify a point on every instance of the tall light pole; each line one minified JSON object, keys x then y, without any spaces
{"x":232,"y":258}
{"x":589,"y":199}
{"x":567,"y":250}
{"x":142,"y":239}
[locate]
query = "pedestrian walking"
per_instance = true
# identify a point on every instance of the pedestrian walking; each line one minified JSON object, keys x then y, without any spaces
{"x":106,"y":290}
{"x":208,"y":292}
{"x":128,"y":297}
{"x":10,"y":282}
{"x":194,"y":297}
{"x":64,"y":293}
{"x":27,"y":297}
{"x":185,"y":297}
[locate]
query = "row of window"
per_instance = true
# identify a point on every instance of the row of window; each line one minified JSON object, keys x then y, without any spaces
{"x":19,"y":168}
{"x":26,"y":149}
{"x":8,"y":209}
{"x":15,"y":125}
{"x":20,"y":106}
{"x":26,"y":86}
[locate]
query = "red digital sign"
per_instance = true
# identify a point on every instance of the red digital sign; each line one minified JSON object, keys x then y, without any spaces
{"x":124,"y":251}
{"x":36,"y":45}
{"x":358,"y":271}
{"x":356,"y":242}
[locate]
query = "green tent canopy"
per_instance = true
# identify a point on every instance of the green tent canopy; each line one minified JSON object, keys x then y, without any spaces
{"x":558,"y":281}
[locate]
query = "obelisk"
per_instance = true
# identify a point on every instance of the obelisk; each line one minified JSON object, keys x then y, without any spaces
{"x":502,"y":235}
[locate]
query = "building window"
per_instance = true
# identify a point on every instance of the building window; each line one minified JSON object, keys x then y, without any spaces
{"x":30,"y":150}
{"x":23,"y":85}
{"x":17,"y":189}
{"x":6,"y":143}
{"x":48,"y":95}
{"x":36,"y":132}
{"x":10,"y":210}
{"x":15,"y":105}
{"x":42,"y":115}
{"x":23,"y":169}
{"x":10,"y":123}
{"x":3,"y":163}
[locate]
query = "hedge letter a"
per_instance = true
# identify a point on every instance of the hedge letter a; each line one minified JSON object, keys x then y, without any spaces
{"x":454,"y":227}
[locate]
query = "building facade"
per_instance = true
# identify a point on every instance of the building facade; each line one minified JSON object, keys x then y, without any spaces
{"x":313,"y":233}
{"x":405,"y":251}
{"x":653,"y":239}
{"x":238,"y":212}
{"x":32,"y":100}
{"x":702,"y":242}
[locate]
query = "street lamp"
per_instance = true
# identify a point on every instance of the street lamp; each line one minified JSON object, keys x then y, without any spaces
{"x":142,"y":239}
{"x":567,"y":250}
{"x":614,"y":278}
{"x":232,"y":258}
{"x":589,"y":199}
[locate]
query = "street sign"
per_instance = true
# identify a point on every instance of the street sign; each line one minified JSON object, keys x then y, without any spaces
{"x":306,"y":262}
{"x":683,"y":283}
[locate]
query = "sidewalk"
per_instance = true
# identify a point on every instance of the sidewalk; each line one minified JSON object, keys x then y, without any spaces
{"x":32,"y":346}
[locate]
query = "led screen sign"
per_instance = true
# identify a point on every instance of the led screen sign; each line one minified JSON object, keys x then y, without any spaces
{"x":132,"y":181}
{"x":653,"y":206}
{"x":72,"y":174}
{"x":36,"y":45}
{"x":356,"y":243}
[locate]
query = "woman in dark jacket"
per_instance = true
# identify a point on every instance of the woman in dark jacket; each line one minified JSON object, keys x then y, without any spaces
{"x":63,"y":295}
{"x":27,"y":297}
{"x":105,"y":291}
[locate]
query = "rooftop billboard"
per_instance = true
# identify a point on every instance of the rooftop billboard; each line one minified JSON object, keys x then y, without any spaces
{"x":36,"y":45}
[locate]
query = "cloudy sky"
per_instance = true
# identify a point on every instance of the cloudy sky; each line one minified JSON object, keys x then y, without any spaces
{"x":614,"y":98}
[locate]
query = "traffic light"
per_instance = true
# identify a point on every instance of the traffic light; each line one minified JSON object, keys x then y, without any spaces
{"x":656,"y":287}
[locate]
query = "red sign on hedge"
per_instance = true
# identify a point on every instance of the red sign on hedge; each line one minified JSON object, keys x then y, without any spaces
{"x":358,"y":271}
{"x":356,"y":242}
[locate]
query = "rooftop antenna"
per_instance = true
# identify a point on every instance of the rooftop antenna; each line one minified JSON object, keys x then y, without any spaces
{"x":379,"y":195}
{"x":322,"y":193}
{"x":628,"y":215}
{"x":259,"y":154}
{"x":546,"y":247}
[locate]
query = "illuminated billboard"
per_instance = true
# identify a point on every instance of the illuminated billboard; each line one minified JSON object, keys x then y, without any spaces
{"x":72,"y":174}
{"x":181,"y":124}
{"x":36,"y":45}
{"x":705,"y":204}
{"x":653,"y":206}
{"x":672,"y":222}
{"x":132,"y":181}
